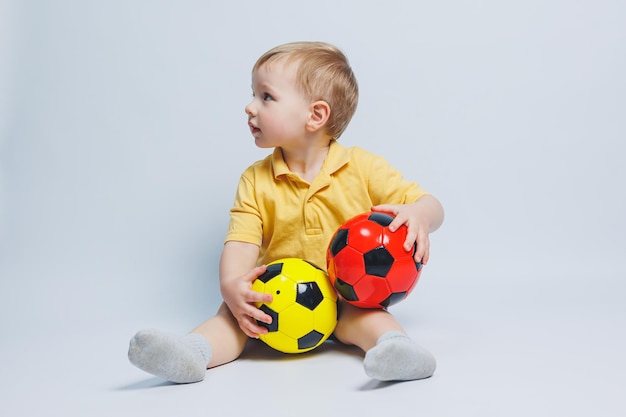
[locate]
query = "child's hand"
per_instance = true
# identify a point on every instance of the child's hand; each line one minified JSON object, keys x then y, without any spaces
{"x":420,"y":218}
{"x":240,"y":298}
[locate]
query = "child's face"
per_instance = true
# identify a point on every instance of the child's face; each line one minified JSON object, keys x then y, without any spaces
{"x":278,"y":112}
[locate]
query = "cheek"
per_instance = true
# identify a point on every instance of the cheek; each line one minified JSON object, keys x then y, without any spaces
{"x":283,"y":121}
{"x":279,"y":121}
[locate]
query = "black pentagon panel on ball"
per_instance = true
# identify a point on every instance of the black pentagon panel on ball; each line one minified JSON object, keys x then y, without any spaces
{"x":381,"y":218}
{"x":310,"y":339}
{"x":393,"y":298}
{"x":273,"y":326}
{"x":339,"y":242}
{"x":378,"y":262}
{"x":346,"y":290}
{"x":309,"y":295}
{"x":270,"y":272}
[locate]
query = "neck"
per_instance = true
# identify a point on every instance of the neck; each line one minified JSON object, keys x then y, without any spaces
{"x":308,"y":162}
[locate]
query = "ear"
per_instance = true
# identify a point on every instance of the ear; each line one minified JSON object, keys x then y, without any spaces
{"x":320,"y":113}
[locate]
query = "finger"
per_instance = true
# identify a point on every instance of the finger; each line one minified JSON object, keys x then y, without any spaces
{"x":258,"y":297}
{"x":251,"y":329}
{"x":411,"y":239}
{"x":254,"y":273}
{"x":251,"y":311}
{"x":252,"y":326}
{"x":397,"y":223}
{"x":257,"y":314}
{"x":426,"y":257}
{"x":423,"y":250}
{"x":385,"y":208}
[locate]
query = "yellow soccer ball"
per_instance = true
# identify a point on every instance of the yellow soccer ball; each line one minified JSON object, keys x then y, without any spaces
{"x":304,"y":308}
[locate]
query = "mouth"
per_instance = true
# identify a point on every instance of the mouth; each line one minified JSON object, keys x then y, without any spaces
{"x":253,"y":129}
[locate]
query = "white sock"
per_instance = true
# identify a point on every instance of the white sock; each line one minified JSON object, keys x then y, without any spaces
{"x":397,"y":358}
{"x":177,"y":359}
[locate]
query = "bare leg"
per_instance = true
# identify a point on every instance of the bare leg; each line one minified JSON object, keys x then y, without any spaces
{"x":363,"y":328}
{"x":226,"y":339}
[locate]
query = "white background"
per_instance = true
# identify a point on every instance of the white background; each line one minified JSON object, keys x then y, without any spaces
{"x":123,"y":135}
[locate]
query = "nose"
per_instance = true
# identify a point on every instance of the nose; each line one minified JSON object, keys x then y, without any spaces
{"x":249,"y":109}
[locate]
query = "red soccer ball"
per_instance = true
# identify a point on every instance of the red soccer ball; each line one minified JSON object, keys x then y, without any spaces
{"x":367,"y":263}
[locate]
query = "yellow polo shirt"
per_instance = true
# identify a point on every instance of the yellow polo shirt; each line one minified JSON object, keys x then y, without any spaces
{"x":288,"y":217}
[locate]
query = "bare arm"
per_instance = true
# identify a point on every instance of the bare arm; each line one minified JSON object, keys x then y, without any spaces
{"x":421,"y":218}
{"x":237,"y":272}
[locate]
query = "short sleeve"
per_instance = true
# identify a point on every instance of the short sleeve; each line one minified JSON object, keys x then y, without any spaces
{"x":245,"y":218}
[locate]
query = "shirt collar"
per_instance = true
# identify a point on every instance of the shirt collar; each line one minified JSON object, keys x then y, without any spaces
{"x":337,"y":157}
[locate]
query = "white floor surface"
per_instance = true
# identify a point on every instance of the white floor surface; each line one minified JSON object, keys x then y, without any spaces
{"x":504,"y":348}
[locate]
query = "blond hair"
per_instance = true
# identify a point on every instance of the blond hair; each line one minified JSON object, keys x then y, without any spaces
{"x":323,"y":73}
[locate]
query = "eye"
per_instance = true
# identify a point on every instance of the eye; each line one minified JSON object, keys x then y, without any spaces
{"x":267,"y":97}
